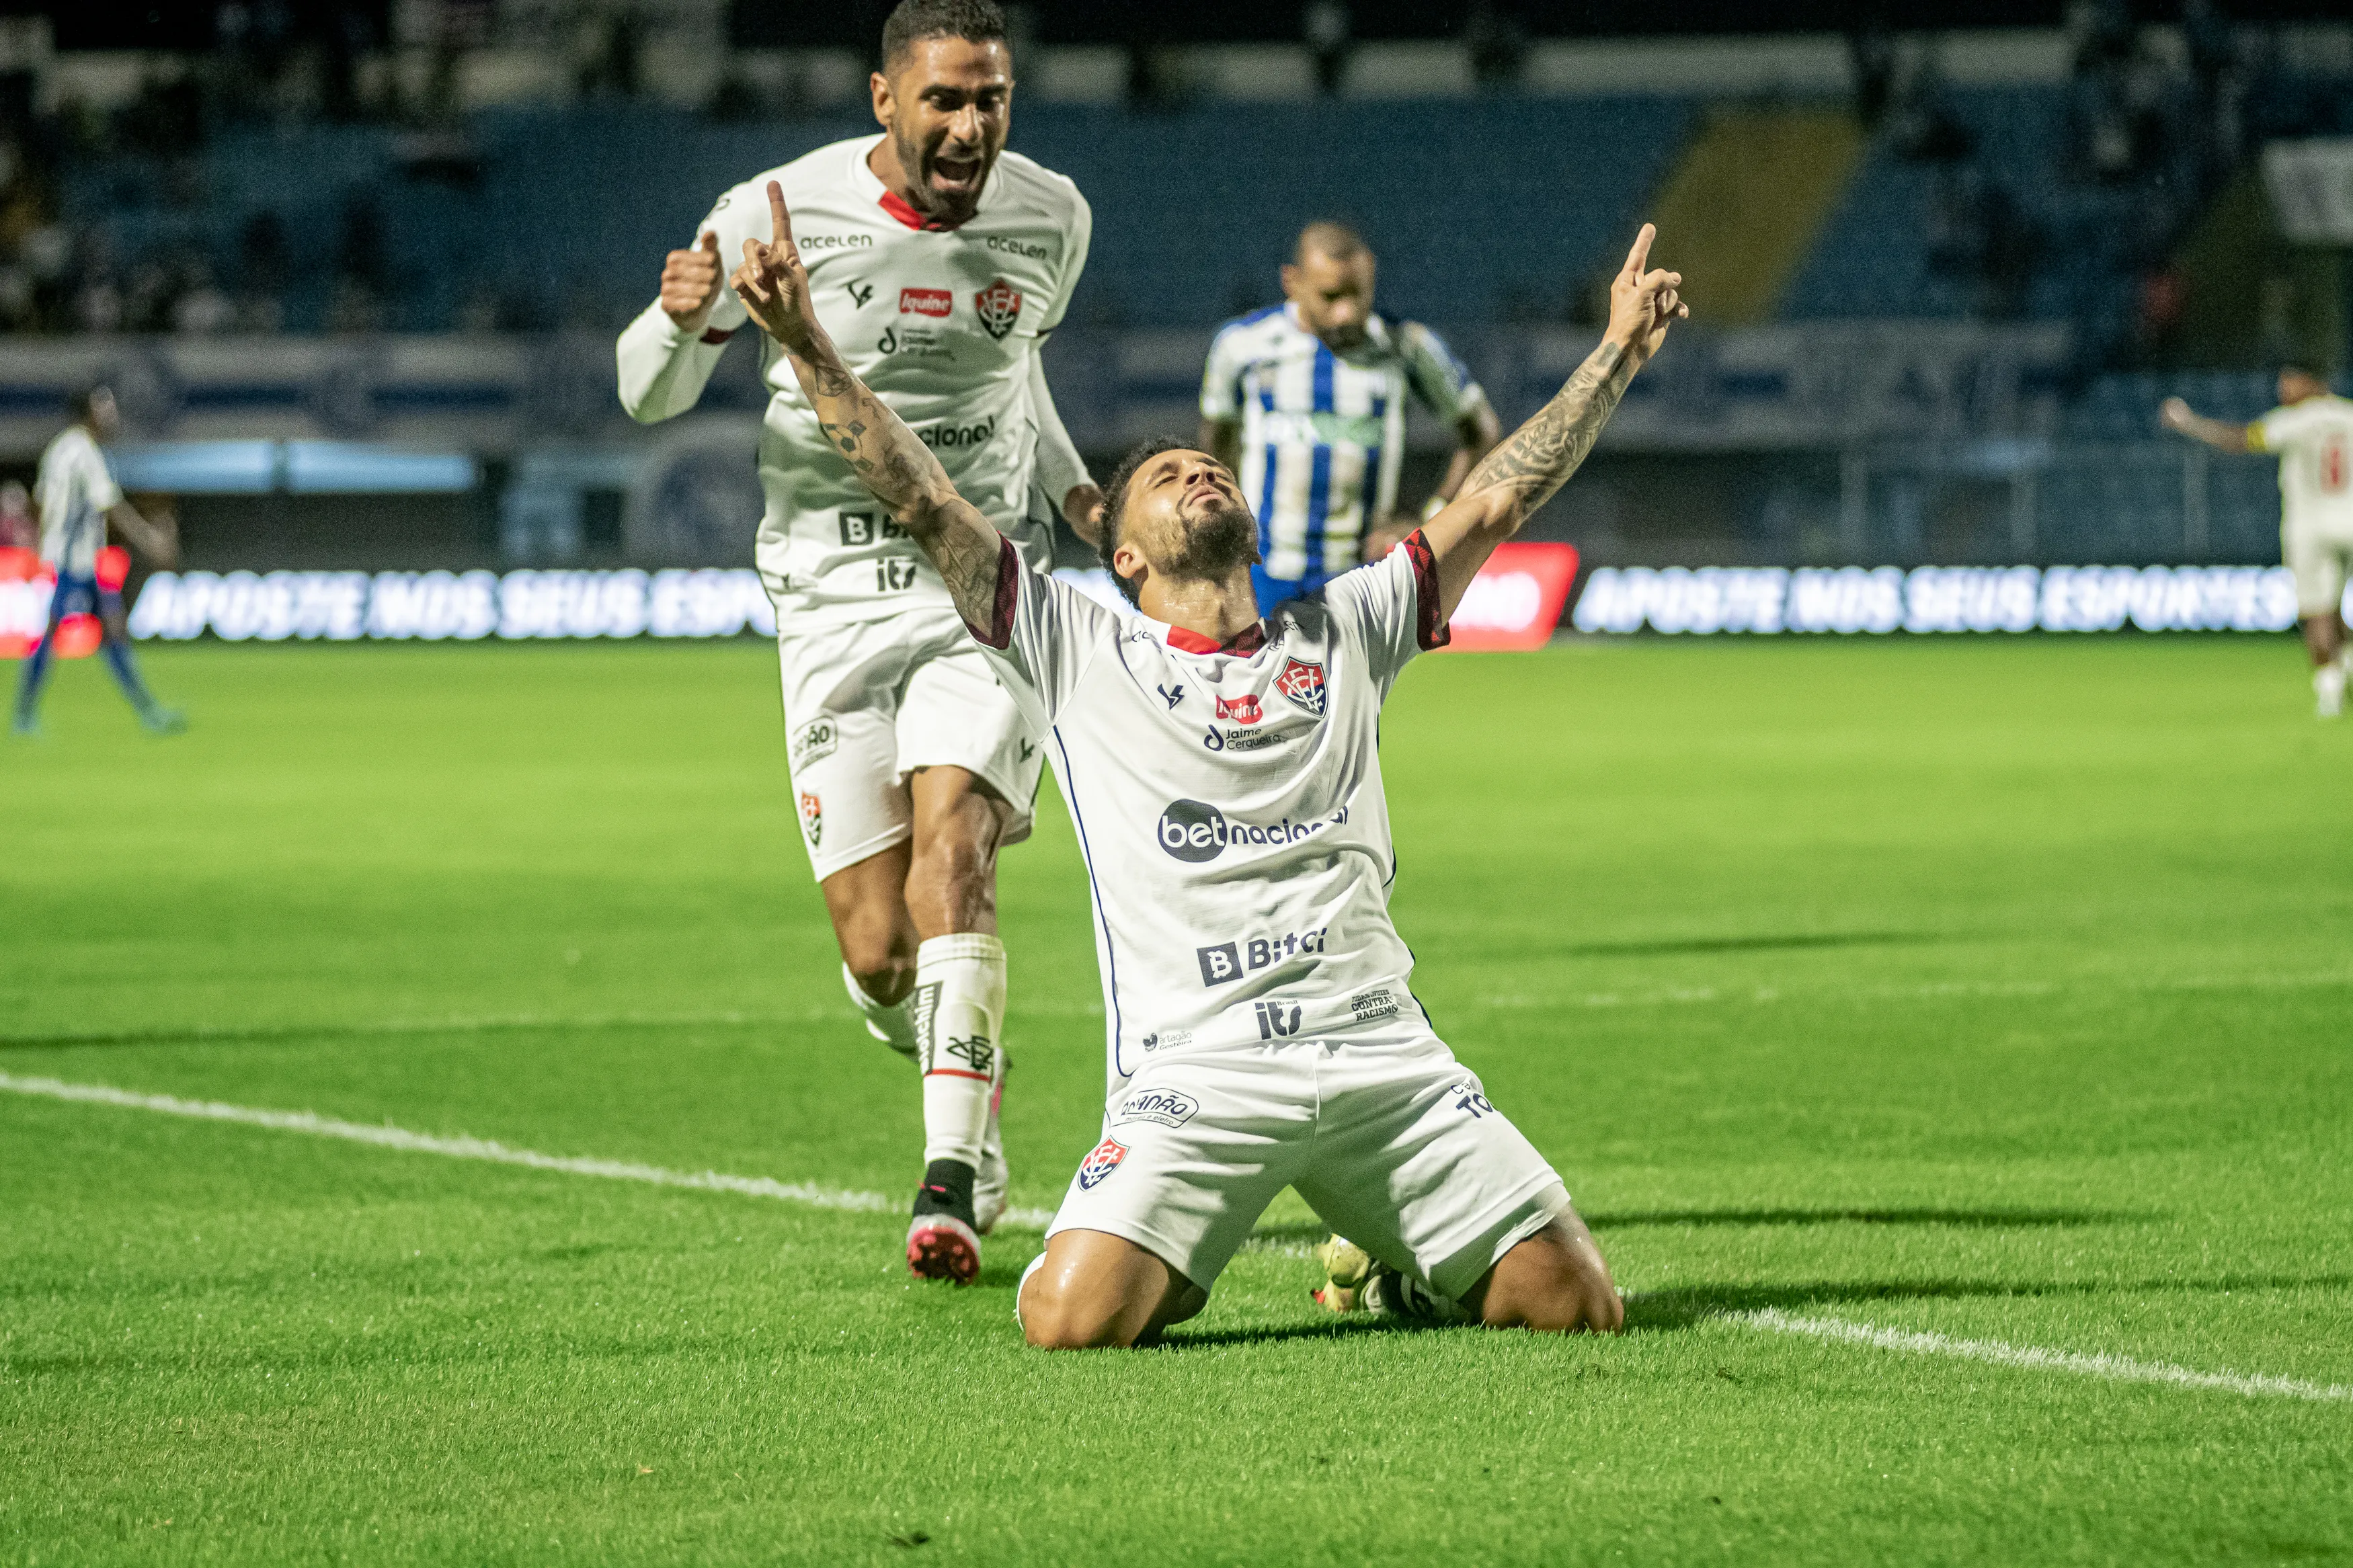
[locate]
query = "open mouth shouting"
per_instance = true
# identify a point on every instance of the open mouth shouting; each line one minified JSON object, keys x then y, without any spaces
{"x":958,"y":174}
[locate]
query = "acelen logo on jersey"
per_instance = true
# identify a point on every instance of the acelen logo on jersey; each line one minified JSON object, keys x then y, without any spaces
{"x":933,"y":302}
{"x":1241,"y":709}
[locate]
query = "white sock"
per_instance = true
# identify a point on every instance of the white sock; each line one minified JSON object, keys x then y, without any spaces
{"x":891,"y":1025}
{"x":959,"y":1013}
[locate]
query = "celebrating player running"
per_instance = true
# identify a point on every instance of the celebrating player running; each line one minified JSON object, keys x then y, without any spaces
{"x":943,"y":260}
{"x":1224,"y":774}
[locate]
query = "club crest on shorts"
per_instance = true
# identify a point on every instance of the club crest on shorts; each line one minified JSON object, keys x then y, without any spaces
{"x":812,"y":818}
{"x":1102,"y":1162}
{"x":1302,"y":683}
{"x":998,"y":307}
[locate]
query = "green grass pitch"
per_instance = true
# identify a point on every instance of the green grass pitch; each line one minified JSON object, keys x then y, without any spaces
{"x":1989,"y":990}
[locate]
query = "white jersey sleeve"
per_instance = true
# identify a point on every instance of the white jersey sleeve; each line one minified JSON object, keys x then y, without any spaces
{"x":662,"y":369}
{"x":1045,"y":634}
{"x":1060,"y":466}
{"x":1222,"y":376}
{"x":1439,"y":380}
{"x":1389,"y":608}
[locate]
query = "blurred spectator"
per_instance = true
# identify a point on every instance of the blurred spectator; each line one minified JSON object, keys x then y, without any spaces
{"x":265,"y":264}
{"x":1871,"y":51}
{"x":202,"y":308}
{"x":1326,"y":28}
{"x":1498,"y":45}
{"x":362,"y":272}
{"x":17,"y":528}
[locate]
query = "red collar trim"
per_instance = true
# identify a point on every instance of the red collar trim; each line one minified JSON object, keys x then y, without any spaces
{"x":898,"y":208}
{"x":1249,"y":641}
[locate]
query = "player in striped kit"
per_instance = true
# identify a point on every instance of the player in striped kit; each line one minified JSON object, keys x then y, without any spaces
{"x":1305,"y":401}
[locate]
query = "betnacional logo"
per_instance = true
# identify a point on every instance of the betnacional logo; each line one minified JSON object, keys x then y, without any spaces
{"x":1302,"y":684}
{"x":812,"y":818}
{"x":1100,"y":1163}
{"x":933,"y":302}
{"x":1196,"y":831}
{"x":1241,"y":709}
{"x":998,"y":307}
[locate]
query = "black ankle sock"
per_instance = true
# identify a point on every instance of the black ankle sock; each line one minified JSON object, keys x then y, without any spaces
{"x":946,"y":1189}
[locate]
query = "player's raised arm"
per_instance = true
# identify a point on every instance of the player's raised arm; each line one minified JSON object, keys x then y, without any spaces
{"x":899,"y":468}
{"x":1519,"y":476}
{"x":2221,"y":435}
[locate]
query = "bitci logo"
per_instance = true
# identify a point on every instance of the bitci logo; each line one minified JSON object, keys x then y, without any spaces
{"x":812,"y":818}
{"x":1241,"y":709}
{"x":936,"y":302}
{"x":998,"y":307}
{"x":1302,"y":683}
{"x":1102,"y":1162}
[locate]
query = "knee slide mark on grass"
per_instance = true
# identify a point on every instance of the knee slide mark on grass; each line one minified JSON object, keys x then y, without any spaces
{"x":1659,"y":1309}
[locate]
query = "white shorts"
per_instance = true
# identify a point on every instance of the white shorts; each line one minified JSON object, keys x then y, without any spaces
{"x":2321,"y":561}
{"x":868,"y":704}
{"x":1391,"y":1140}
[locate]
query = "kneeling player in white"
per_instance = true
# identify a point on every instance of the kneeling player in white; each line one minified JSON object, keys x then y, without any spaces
{"x":1223,"y":772}
{"x":943,"y":260}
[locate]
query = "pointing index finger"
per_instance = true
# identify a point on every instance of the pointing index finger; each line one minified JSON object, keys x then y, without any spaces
{"x":778,"y":215}
{"x":1639,"y":255}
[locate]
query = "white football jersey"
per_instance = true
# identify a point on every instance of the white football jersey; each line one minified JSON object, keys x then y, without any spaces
{"x":942,"y":324}
{"x":1228,"y":802}
{"x":2314,"y":439}
{"x":76,"y":490}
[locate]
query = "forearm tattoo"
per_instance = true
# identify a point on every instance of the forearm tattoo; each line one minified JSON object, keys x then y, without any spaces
{"x":1537,"y":459}
{"x":907,"y":477}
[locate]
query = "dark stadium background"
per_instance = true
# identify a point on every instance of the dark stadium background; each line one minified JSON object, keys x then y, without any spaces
{"x":1946,"y":259}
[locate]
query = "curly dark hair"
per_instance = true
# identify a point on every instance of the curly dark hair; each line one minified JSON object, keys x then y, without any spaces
{"x":975,"y":21}
{"x":1116,"y":499}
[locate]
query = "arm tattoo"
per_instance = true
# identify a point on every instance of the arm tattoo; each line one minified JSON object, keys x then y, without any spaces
{"x":1537,"y":459}
{"x":905,"y":475}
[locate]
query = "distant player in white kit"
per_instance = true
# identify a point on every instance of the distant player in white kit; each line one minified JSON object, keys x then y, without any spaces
{"x":940,"y":261}
{"x":2311,"y":431}
{"x":1223,"y":772}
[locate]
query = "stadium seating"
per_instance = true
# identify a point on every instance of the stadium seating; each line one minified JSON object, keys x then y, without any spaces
{"x":563,"y":213}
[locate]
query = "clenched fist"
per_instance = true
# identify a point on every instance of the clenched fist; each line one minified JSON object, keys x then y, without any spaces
{"x":689,"y":284}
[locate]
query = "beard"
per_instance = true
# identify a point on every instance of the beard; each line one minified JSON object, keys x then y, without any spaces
{"x":1220,"y":539}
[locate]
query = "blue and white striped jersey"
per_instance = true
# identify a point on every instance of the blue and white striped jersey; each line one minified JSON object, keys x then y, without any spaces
{"x":1323,"y":434}
{"x":75,"y":489}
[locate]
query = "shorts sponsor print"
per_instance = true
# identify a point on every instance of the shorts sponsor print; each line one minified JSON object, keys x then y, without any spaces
{"x":1167,"y":1107}
{"x":815,"y":741}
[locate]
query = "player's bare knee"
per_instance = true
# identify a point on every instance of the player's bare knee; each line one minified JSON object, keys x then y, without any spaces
{"x":1055,"y":1319}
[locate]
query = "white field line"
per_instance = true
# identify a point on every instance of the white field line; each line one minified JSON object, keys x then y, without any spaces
{"x":462,"y":1148}
{"x":2113,"y":1368}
